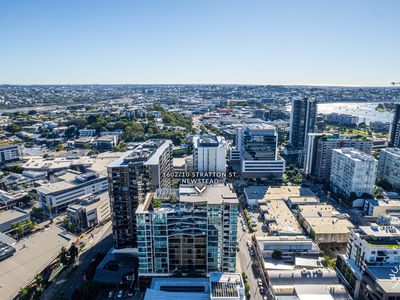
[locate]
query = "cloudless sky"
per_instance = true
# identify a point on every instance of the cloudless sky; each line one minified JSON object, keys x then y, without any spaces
{"x":332,"y":42}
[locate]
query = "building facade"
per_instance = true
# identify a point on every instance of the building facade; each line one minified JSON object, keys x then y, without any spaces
{"x":130,"y":178}
{"x":9,"y":153}
{"x":191,"y":232}
{"x":352,"y":172}
{"x":394,"y":140}
{"x":389,"y":167}
{"x":371,"y":252}
{"x":209,"y":153}
{"x":90,"y":211}
{"x":318,"y":152}
{"x":302,"y":121}
{"x":258,"y":148}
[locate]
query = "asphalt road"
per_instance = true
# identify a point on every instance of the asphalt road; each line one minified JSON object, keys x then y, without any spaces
{"x":247,"y":263}
{"x":64,"y":287}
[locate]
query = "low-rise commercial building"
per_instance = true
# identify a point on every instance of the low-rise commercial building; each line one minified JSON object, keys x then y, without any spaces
{"x":377,"y":207}
{"x":324,"y":223}
{"x":89,"y":211}
{"x":106,"y":143}
{"x":226,"y":286}
{"x":279,"y":219}
{"x":254,"y":193}
{"x":10,"y":217}
{"x":288,"y":245}
{"x":71,"y":185}
{"x":9,"y":153}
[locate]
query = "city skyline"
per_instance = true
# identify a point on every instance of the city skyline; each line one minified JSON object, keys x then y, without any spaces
{"x":346,"y":43}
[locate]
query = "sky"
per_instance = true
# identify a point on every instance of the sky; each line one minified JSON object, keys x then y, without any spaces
{"x":320,"y":42}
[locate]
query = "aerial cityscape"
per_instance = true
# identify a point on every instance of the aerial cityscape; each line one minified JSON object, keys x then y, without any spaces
{"x":198,"y":186}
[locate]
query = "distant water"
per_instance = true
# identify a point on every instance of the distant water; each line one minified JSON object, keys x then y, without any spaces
{"x":364,"y":111}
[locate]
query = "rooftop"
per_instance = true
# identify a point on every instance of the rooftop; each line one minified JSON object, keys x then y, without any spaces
{"x":354,"y":154}
{"x":281,"y":218}
{"x":147,"y":152}
{"x":11,"y":214}
{"x":284,"y":192}
{"x":210,"y":194}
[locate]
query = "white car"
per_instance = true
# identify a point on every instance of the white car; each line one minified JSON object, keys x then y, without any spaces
{"x":259,"y":281}
{"x":110,"y":294}
{"x":120,"y":294}
{"x":248,"y":243}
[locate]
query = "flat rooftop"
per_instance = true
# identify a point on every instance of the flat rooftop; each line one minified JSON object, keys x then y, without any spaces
{"x":211,"y":194}
{"x":147,"y":152}
{"x":386,"y":277}
{"x":255,"y":192}
{"x":304,"y":200}
{"x":32,"y":254}
{"x":380,"y":231}
{"x":11,"y":214}
{"x":319,"y":210}
{"x":354,"y":154}
{"x":280,"y":218}
{"x":284,"y":192}
{"x":329,"y":225}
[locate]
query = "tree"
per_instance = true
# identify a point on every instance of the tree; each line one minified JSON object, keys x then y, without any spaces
{"x":64,"y":256}
{"x":247,"y":288}
{"x":73,"y":254}
{"x":378,"y":193}
{"x":13,"y":128}
{"x":30,"y":225}
{"x":277,"y":254}
{"x":70,"y":131}
{"x":19,"y":228}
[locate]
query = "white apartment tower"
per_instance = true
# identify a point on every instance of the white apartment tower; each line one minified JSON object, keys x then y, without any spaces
{"x":209,"y":153}
{"x":352,"y":171}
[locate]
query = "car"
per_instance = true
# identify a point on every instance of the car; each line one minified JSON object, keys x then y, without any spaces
{"x":261,"y":289}
{"x":248,"y":243}
{"x":259,"y":282}
{"x":110,"y":294}
{"x":120,"y":294}
{"x":251,"y":252}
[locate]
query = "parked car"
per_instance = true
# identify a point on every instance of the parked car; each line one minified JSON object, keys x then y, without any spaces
{"x":120,"y":294}
{"x":110,"y":294}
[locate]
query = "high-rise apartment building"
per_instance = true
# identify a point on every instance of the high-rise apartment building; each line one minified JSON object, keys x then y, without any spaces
{"x":318,"y":152}
{"x":302,"y":121}
{"x":389,"y":167}
{"x":394,"y":140}
{"x":191,"y":231}
{"x":352,"y":172}
{"x":258,"y":149}
{"x":209,"y":153}
{"x":130,"y":178}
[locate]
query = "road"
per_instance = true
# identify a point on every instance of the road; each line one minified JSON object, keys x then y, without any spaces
{"x":65,"y":285}
{"x":247,"y":263}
